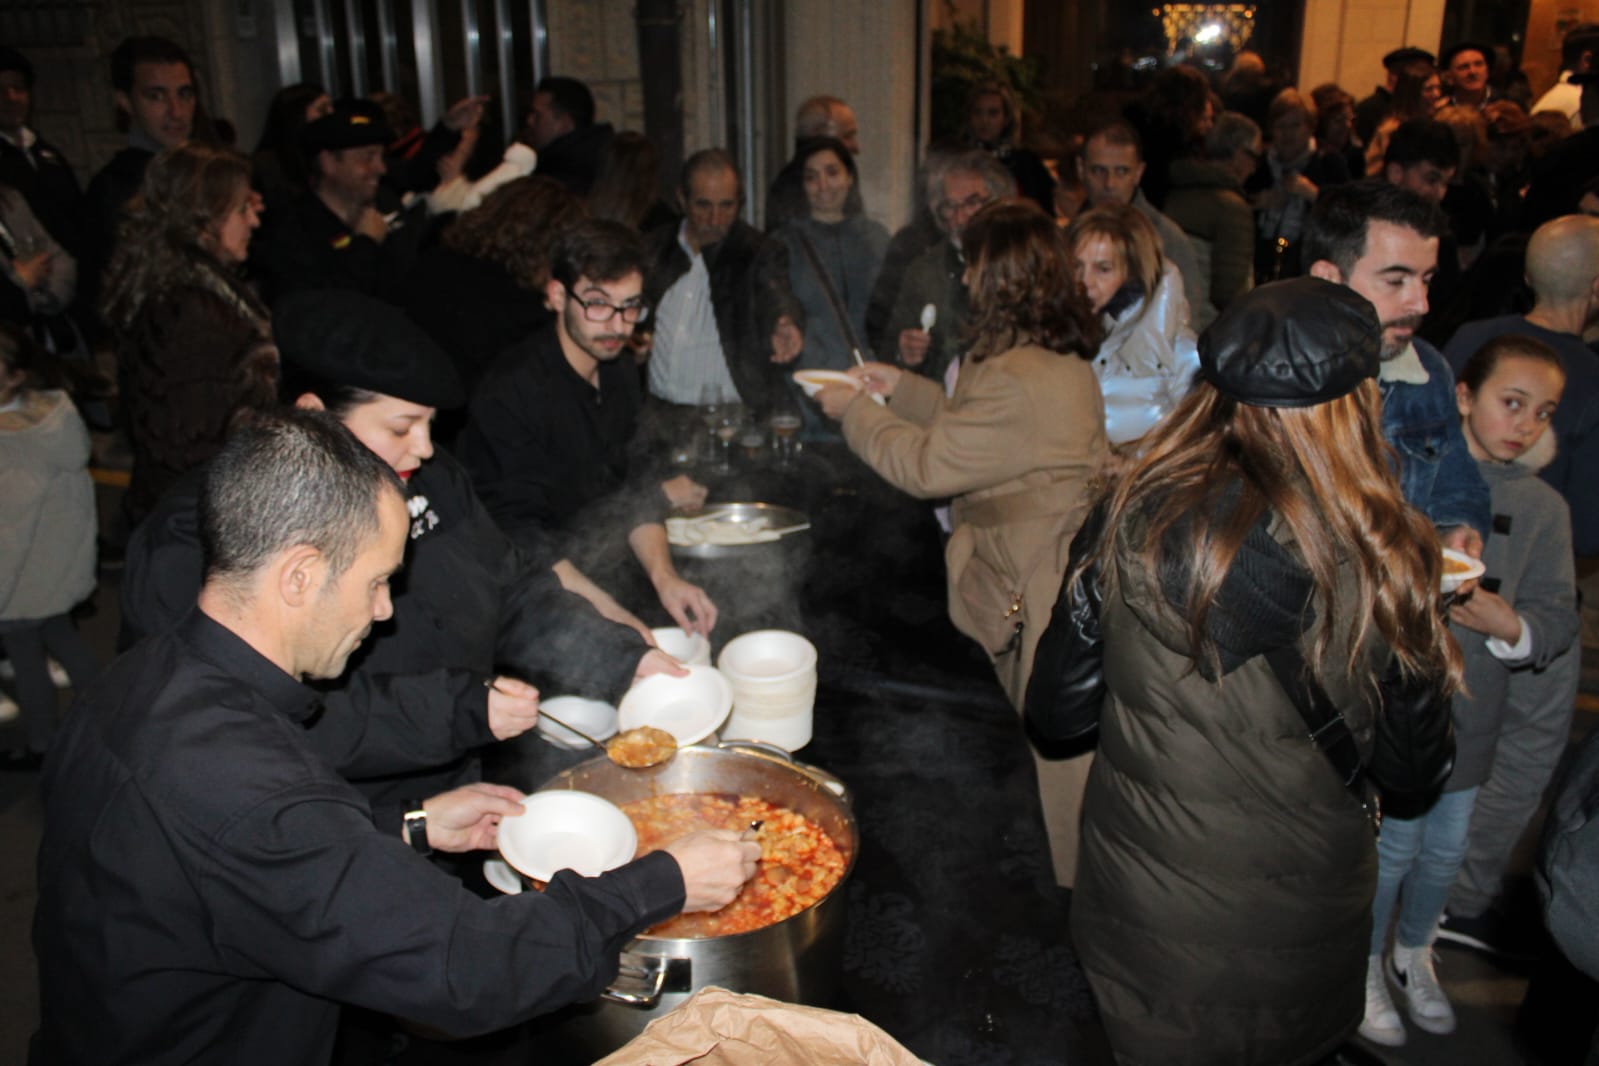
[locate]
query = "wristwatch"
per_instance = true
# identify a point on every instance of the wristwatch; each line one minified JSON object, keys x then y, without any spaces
{"x":416,"y":826}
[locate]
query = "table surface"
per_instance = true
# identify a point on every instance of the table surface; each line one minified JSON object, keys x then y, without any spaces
{"x":956,"y":935}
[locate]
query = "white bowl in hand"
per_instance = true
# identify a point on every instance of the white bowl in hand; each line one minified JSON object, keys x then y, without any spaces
{"x":567,"y":830}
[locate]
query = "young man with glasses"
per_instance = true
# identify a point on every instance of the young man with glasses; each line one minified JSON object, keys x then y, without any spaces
{"x":550,"y":440}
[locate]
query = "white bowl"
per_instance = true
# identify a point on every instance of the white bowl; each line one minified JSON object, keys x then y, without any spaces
{"x":567,"y":830}
{"x":691,"y":649}
{"x":500,"y":875}
{"x":1452,"y":581}
{"x":594,"y":717}
{"x":690,"y":708}
{"x":814,"y":381}
{"x":767,"y":656}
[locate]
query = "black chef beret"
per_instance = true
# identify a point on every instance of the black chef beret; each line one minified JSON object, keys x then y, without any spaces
{"x":1292,"y":343}
{"x":1455,"y":49}
{"x":1408,"y":54}
{"x":348,"y":338}
{"x":352,"y":123}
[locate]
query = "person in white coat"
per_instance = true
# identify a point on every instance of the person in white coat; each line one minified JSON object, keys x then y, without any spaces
{"x":1148,"y":355}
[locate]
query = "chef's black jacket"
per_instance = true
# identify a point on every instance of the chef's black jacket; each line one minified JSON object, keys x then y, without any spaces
{"x":412,"y":705}
{"x":210,"y":889}
{"x":306,"y":246}
{"x":550,"y":453}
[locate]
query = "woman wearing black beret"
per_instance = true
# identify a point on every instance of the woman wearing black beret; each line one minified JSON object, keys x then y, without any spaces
{"x":1223,"y":899}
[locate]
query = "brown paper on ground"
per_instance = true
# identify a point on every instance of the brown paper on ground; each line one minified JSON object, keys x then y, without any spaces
{"x":715,"y":1027}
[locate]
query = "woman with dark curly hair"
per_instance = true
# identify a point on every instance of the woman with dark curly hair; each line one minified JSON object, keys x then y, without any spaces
{"x":194,"y":343}
{"x":481,"y":289}
{"x":1014,"y":445}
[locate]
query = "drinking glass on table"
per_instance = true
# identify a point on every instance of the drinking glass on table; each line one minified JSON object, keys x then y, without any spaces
{"x":785,"y":431}
{"x":710,"y":409}
{"x":728,"y":428}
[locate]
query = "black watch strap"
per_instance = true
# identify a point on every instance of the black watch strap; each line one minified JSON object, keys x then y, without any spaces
{"x":416,"y":826}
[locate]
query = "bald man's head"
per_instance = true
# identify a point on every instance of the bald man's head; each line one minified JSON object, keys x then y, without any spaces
{"x":1563,"y":259}
{"x":827,"y":116}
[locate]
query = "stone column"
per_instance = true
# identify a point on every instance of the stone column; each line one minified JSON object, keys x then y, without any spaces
{"x":866,"y":54}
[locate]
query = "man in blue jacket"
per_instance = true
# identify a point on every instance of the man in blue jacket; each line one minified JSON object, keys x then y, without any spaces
{"x":1382,"y":241}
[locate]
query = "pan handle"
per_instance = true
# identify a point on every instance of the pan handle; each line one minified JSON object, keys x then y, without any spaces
{"x":639,"y":981}
{"x":826,"y":780}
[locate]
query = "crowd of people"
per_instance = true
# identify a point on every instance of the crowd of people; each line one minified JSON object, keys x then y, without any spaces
{"x":1247,"y":358}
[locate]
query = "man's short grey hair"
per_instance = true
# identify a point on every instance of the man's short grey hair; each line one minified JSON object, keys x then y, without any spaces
{"x":290,"y":478}
{"x":1231,"y":133}
{"x":974,"y":161}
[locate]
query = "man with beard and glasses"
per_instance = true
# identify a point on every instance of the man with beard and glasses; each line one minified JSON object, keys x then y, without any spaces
{"x":552,"y":439}
{"x":1382,"y":241}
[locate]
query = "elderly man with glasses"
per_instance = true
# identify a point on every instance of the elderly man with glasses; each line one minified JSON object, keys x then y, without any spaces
{"x":550,"y":441}
{"x":958,"y":186}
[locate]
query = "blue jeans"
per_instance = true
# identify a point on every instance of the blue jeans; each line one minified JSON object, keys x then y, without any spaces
{"x":1417,"y":860}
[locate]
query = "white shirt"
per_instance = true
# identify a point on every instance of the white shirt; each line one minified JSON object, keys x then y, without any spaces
{"x":1563,"y":97}
{"x":686,"y":362}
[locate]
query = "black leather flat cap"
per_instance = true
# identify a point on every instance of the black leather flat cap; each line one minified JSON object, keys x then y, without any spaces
{"x":349,"y":338}
{"x":1292,"y":343}
{"x":1408,"y":54}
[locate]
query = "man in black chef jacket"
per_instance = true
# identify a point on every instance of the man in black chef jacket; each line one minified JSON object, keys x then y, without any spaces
{"x":210,"y":890}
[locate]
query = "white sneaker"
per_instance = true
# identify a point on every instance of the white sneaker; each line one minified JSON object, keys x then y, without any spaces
{"x":1412,"y":970}
{"x":8,"y":708}
{"x":1381,"y":1024}
{"x":58,"y":673}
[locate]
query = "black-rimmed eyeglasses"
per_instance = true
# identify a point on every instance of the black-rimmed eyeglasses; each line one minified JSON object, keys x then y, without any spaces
{"x":602,"y":310}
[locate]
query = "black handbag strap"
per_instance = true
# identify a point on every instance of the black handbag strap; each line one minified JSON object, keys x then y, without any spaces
{"x":1326,"y":724}
{"x":832,"y":296}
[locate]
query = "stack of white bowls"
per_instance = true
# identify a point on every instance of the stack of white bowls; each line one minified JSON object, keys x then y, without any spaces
{"x":773,"y":674}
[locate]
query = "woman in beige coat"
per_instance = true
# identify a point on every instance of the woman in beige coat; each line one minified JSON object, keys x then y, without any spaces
{"x":1014,"y":444}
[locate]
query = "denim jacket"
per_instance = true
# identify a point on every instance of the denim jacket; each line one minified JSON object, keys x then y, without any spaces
{"x":1436,"y":471}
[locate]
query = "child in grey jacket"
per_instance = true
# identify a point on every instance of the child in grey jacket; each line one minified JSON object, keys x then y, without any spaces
{"x":47,"y":538}
{"x":1521,"y":618}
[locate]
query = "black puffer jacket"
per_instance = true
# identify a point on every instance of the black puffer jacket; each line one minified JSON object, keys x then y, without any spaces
{"x":1223,"y":902}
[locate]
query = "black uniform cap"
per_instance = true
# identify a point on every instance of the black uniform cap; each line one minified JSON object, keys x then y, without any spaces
{"x":352,"y":123}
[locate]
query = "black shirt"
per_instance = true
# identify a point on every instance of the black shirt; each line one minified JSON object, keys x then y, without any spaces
{"x":411,"y":705}
{"x":306,"y":246}
{"x":210,"y":889}
{"x":550,"y":452}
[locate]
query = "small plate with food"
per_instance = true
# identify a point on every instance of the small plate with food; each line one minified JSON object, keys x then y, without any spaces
{"x":1459,"y":568}
{"x":814,"y":381}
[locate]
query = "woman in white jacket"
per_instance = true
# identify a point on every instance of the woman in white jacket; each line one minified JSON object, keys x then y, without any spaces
{"x":1148,"y":356}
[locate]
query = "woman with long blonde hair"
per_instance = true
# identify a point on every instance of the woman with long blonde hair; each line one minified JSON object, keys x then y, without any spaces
{"x":1223,"y":900}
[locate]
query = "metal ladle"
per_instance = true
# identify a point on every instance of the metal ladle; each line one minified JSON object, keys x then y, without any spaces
{"x":616,"y":749}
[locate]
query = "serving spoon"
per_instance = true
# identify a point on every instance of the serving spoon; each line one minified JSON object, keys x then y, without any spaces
{"x":633,"y":749}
